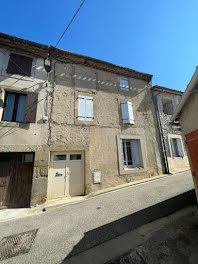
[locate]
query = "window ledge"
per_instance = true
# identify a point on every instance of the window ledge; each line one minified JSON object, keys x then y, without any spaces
{"x":13,"y":124}
{"x":133,"y":171}
{"x":19,"y":77}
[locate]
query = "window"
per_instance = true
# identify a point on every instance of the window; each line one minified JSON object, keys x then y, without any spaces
{"x":124,"y":84}
{"x":59,"y":157}
{"x":75,"y":157}
{"x":19,"y":64}
{"x":20,"y":107}
{"x":130,"y":152}
{"x":127,"y":112}
{"x":167,"y":107}
{"x":177,"y":148}
{"x":15,"y":107}
{"x":85,"y":108}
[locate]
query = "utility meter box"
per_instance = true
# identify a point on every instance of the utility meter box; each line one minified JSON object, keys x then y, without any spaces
{"x":97,"y":177}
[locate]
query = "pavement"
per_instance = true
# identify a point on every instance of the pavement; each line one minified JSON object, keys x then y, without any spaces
{"x":68,"y":230}
{"x":173,"y":239}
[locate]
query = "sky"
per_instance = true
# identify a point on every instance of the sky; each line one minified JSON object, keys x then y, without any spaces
{"x":159,"y":37}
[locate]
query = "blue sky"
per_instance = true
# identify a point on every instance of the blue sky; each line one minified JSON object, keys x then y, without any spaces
{"x":159,"y":37}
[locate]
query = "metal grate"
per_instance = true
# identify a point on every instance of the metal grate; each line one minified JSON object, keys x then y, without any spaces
{"x":14,"y":245}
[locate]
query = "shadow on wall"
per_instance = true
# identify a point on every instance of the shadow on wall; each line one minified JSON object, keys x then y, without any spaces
{"x":126,"y":224}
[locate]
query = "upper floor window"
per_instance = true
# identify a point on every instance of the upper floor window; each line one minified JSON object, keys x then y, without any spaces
{"x":20,"y":107}
{"x":19,"y":64}
{"x":127,"y":112}
{"x":167,"y":106}
{"x":177,"y":148}
{"x":15,"y":107}
{"x":85,"y":108}
{"x":124,"y":83}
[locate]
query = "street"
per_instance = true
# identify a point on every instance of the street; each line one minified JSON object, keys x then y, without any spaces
{"x":61,"y":229}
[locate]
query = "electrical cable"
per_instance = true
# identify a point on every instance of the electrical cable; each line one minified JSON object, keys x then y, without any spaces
{"x":69,"y":23}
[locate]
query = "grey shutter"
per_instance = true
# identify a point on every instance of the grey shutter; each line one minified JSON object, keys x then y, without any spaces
{"x":30,"y":108}
{"x":180,"y":149}
{"x":135,"y":153}
{"x":130,"y":113}
{"x":125,"y":114}
{"x":122,"y":154}
{"x":81,"y":107}
{"x":89,"y":108}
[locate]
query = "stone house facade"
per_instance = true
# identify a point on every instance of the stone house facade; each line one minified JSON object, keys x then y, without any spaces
{"x":85,"y":126}
{"x":174,"y":152}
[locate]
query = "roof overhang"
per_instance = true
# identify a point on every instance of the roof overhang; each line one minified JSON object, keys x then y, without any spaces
{"x":166,"y":90}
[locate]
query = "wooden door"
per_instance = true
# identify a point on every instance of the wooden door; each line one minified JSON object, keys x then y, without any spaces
{"x":16,"y":182}
{"x":192,"y":143}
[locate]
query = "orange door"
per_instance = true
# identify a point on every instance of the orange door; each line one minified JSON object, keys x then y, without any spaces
{"x":192,"y":143}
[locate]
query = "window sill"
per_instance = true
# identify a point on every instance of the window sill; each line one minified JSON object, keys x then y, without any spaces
{"x":132,"y":171}
{"x":13,"y":124}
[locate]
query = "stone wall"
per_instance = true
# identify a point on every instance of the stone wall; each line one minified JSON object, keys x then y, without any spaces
{"x":176,"y":164}
{"x":98,"y":138}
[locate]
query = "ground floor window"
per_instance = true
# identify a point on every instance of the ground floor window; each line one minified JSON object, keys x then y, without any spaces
{"x":131,"y":154}
{"x":177,"y":148}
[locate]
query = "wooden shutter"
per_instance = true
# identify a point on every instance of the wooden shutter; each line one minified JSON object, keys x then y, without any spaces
{"x":130,"y":113}
{"x":81,"y":107}
{"x":31,"y":107}
{"x":19,"y":64}
{"x":89,"y":108}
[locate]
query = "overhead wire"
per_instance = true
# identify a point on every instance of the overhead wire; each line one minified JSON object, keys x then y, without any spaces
{"x":71,"y":21}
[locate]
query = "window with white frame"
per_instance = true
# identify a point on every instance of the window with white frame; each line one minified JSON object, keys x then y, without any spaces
{"x":131,"y":154}
{"x":124,"y":83}
{"x":85,"y":108}
{"x":127,"y":112}
{"x":177,"y":148}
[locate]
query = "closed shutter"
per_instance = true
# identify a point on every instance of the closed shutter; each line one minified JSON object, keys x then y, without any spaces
{"x":31,"y":107}
{"x":89,"y":108}
{"x":130,"y":111}
{"x":136,"y":153}
{"x":19,"y":64}
{"x":81,"y":107}
{"x":180,"y":149}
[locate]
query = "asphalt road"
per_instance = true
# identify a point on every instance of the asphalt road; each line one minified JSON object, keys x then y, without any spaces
{"x":64,"y":229}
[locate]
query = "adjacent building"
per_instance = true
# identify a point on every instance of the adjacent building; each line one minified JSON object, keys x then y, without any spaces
{"x":187,"y":114}
{"x":173,"y":151}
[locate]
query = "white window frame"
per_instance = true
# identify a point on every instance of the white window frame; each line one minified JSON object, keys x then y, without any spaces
{"x":86,"y":118}
{"x":170,"y":137}
{"x":123,"y":87}
{"x":142,"y":150}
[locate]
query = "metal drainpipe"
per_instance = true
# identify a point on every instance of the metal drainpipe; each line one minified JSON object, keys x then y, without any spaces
{"x":161,"y":130}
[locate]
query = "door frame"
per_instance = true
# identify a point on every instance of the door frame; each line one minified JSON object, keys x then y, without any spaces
{"x":66,"y":182}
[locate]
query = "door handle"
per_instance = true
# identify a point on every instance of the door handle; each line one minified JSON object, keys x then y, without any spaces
{"x":58,"y":174}
{"x":4,"y":184}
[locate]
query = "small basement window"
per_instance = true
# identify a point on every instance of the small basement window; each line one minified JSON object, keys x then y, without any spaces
{"x":15,"y":107}
{"x":131,"y":154}
{"x":167,"y":107}
{"x":19,"y":64}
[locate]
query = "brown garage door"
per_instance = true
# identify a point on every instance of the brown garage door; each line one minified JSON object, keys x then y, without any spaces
{"x":192,"y":143}
{"x":16,"y":171}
